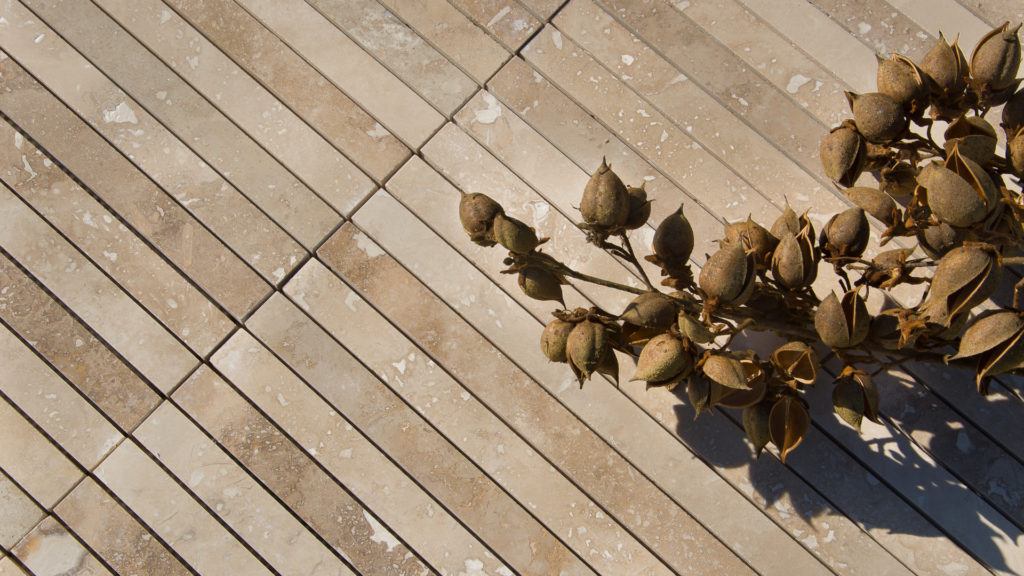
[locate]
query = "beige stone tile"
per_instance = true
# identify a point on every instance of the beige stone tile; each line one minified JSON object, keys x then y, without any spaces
{"x":285,"y":196}
{"x":543,"y":8}
{"x":293,"y":475}
{"x":441,"y":24}
{"x":234,"y":496}
{"x":166,"y":159}
{"x":403,"y":51}
{"x":327,"y":435}
{"x":648,"y":131}
{"x":92,"y":296}
{"x":175,"y":301}
{"x":154,"y":215}
{"x":19,"y":512}
{"x":510,"y":22}
{"x":114,"y":535}
{"x":9,"y":568}
{"x":949,"y":16}
{"x":686,"y":105}
{"x":53,"y":405}
{"x":491,"y":444}
{"x":31,"y":460}
{"x":723,"y":75}
{"x":173,"y":515}
{"x":995,"y":12}
{"x":876,"y":24}
{"x":51,"y":549}
{"x":229,"y":28}
{"x":72,"y":349}
{"x":624,"y":491}
{"x":345,"y":64}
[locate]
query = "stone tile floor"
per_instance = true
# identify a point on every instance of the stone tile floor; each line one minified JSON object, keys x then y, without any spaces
{"x":243,"y":332}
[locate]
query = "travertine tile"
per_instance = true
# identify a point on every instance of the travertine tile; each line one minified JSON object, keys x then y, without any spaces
{"x":234,"y":496}
{"x":31,"y":460}
{"x":173,"y":515}
{"x":72,"y":349}
{"x":19,"y":512}
{"x":876,"y":24}
{"x":140,"y":136}
{"x":341,"y":60}
{"x":292,"y":475}
{"x":949,"y":16}
{"x":51,"y":550}
{"x":9,"y":568}
{"x":114,"y":535}
{"x":491,"y":444}
{"x":92,"y":296}
{"x":403,"y":51}
{"x":703,"y":60}
{"x":510,"y":22}
{"x":229,"y":28}
{"x":685,"y":104}
{"x":441,"y":24}
{"x":109,"y":175}
{"x":327,"y":435}
{"x":978,"y":527}
{"x":543,"y":8}
{"x":53,"y":405}
{"x":627,"y":494}
{"x":995,"y":12}
{"x":175,"y":301}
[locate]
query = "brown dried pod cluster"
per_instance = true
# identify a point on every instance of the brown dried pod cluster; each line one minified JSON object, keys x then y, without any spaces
{"x":954,"y":208}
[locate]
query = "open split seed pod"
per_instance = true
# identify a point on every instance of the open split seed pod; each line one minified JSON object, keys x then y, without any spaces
{"x":754,"y":238}
{"x":728,"y":276}
{"x":854,"y":397}
{"x":842,"y":322}
{"x":796,"y":362}
{"x":996,"y":339}
{"x":903,"y":81}
{"x":964,"y":277}
{"x":793,"y":262}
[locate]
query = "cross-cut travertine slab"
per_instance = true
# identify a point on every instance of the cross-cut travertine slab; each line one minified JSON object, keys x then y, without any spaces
{"x":114,"y":535}
{"x":294,"y":477}
{"x":509,"y":21}
{"x":31,"y":460}
{"x":51,"y":549}
{"x":19,"y":512}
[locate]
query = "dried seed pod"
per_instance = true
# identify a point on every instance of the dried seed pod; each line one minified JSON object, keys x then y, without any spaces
{"x":879,"y":118}
{"x":639,"y":207}
{"x":663,"y":359}
{"x":898,"y":180}
{"x":540,"y":284}
{"x":960,"y":193}
{"x":973,"y":137}
{"x":946,"y":65}
{"x":843,"y":154}
{"x":793,"y":263}
{"x":754,"y":238}
{"x":1013,"y":114}
{"x":788,"y":423}
{"x":691,"y":328}
{"x":875,"y":202}
{"x":854,"y":397}
{"x":901,"y":80}
{"x":755,"y":424}
{"x":936,"y":241}
{"x":726,"y":370}
{"x":841,"y":323}
{"x":651,"y":310}
{"x":997,"y":339}
{"x":846,"y":234}
{"x":735,"y":398}
{"x":964,"y":277}
{"x":553,"y":339}
{"x":728,"y":275}
{"x":477,"y":212}
{"x":1015,"y":152}
{"x":889,"y":269}
{"x":995,"y":59}
{"x":514,"y":235}
{"x":605,"y":202}
{"x":704,"y":394}
{"x":796,"y":361}
{"x":673,"y":240}
{"x":585,"y":347}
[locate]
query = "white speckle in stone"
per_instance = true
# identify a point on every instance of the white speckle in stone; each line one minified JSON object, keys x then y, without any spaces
{"x":683,"y":5}
{"x":400,"y":366}
{"x":279,"y":274}
{"x":491,"y":113}
{"x":627,"y":59}
{"x":172,"y":303}
{"x":39,"y":38}
{"x":963,"y":442}
{"x":465,"y":396}
{"x":497,"y":17}
{"x":161,"y":94}
{"x":27,"y":167}
{"x":368,"y":246}
{"x":503,"y":571}
{"x":281,"y":400}
{"x":18,"y":140}
{"x":473,"y":568}
{"x":112,"y":256}
{"x":195,"y":479}
{"x":864,"y":27}
{"x":556,"y":38}
{"x":88,"y":221}
{"x":193,"y":62}
{"x":378,"y":132}
{"x":796,"y":82}
{"x":165,"y":15}
{"x":380,"y":535}
{"x":346,"y":453}
{"x":120,"y":114}
{"x":350,"y":300}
